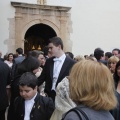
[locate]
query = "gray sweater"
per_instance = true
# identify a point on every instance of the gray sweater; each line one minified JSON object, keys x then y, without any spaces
{"x":92,"y":115}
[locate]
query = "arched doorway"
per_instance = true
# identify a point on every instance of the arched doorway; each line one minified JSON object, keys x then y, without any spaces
{"x":37,"y":36}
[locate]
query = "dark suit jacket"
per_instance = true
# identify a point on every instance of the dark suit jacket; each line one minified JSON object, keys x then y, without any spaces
{"x":47,"y":74}
{"x":1,"y":59}
{"x":41,"y":110}
{"x":4,"y":81}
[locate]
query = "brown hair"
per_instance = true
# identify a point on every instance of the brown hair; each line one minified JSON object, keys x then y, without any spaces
{"x":91,"y":84}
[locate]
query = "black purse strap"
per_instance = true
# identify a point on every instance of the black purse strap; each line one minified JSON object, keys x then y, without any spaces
{"x":77,"y":110}
{"x":83,"y":112}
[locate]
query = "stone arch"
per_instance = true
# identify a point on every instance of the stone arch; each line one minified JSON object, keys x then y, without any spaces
{"x":38,"y":21}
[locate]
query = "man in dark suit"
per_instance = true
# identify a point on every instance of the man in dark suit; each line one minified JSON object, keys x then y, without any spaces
{"x":20,"y":57}
{"x":4,"y":81}
{"x":56,"y":67}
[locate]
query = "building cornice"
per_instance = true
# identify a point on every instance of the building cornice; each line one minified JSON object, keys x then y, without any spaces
{"x":42,"y":7}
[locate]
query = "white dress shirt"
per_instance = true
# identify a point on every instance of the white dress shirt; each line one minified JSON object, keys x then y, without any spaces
{"x":28,"y":107}
{"x":58,"y":62}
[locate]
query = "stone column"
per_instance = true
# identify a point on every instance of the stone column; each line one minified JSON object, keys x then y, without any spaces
{"x":64,"y":33}
{"x":18,"y":27}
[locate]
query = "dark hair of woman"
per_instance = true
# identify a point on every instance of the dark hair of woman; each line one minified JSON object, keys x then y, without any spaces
{"x":116,"y":77}
{"x":28,"y":65}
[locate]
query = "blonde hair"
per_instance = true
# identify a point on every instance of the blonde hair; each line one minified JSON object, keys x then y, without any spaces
{"x":91,"y":58}
{"x":113,"y":59}
{"x":79,"y":58}
{"x":91,"y":84}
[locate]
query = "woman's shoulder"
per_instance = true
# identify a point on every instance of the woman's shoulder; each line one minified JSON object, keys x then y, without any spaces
{"x":92,"y":114}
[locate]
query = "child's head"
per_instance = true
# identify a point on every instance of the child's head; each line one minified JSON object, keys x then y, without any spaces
{"x":28,"y":85}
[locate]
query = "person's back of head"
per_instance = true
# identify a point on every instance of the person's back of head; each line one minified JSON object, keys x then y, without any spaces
{"x":28,"y":65}
{"x":108,"y":55}
{"x":88,"y":80}
{"x":56,"y":41}
{"x":36,"y":53}
{"x":91,"y":58}
{"x":98,"y":53}
{"x":19,"y":51}
{"x":79,"y":58}
{"x":70,"y":55}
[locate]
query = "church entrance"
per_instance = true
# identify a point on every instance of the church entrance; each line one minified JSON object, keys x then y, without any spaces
{"x":34,"y":24}
{"x":37,"y":36}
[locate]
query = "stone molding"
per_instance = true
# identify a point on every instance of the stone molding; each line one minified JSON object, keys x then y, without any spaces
{"x":42,"y":7}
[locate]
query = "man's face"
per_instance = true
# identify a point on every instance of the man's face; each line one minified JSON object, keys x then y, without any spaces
{"x":27,"y":92}
{"x":53,"y":50}
{"x":115,"y":53}
{"x":42,"y":60}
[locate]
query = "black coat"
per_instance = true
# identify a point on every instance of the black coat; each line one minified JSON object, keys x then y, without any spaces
{"x":4,"y":81}
{"x":116,"y":112}
{"x":47,"y":73}
{"x":42,"y":108}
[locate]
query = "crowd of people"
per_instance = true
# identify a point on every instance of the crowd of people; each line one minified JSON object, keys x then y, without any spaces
{"x":56,"y":85}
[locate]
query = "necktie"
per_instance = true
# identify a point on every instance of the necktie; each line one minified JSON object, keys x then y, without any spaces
{"x":57,"y":59}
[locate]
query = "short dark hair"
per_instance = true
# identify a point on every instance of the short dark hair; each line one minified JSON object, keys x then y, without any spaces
{"x":116,"y":49}
{"x":108,"y":54}
{"x":36,"y":53}
{"x":70,"y":54}
{"x":28,"y":65}
{"x":19,"y":50}
{"x":98,"y":53}
{"x":28,"y":79}
{"x":56,"y":41}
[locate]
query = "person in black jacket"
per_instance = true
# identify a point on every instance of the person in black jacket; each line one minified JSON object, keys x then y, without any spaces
{"x":30,"y":64}
{"x":56,"y":68}
{"x":4,"y":81}
{"x":30,"y":105}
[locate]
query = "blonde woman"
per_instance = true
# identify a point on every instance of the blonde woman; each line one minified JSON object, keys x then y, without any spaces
{"x":112,"y":61}
{"x":92,"y":89}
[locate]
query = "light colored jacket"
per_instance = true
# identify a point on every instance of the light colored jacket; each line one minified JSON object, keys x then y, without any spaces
{"x":63,"y":102}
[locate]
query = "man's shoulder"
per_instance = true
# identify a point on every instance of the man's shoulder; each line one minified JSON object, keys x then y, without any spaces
{"x":2,"y":64}
{"x":70,"y":60}
{"x":19,"y":59}
{"x":50,"y":60}
{"x":43,"y":99}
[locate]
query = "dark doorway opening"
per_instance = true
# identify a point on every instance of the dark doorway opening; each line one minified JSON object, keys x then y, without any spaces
{"x":37,"y":36}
